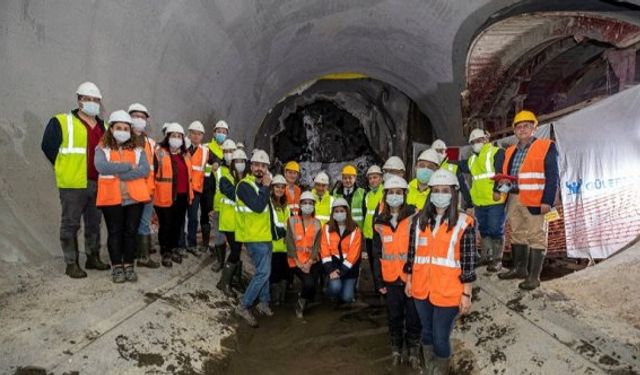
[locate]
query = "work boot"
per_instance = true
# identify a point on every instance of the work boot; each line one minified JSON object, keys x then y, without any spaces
{"x":166,"y":260}
{"x":74,"y":271}
{"x":143,"y":247}
{"x":221,"y":254}
{"x":175,"y":256}
{"x":216,"y":259}
{"x":497,"y":247}
{"x":245,"y":314}
{"x":182,"y":251}
{"x":414,"y":359}
{"x":536,"y":260}
{"x":94,"y":263}
{"x":301,"y":305}
{"x":264,"y":309}
{"x":118,"y":275}
{"x":283,"y":291}
{"x":275,"y":293}
{"x":520,"y":254}
{"x":440,"y":366}
{"x":224,"y":284}
{"x":206,"y":236}
{"x":130,"y":273}
{"x":194,"y":251}
{"x":485,"y":251}
{"x":428,"y":356}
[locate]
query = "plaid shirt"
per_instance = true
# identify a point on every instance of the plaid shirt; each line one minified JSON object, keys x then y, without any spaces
{"x":467,"y":253}
{"x":518,"y":159}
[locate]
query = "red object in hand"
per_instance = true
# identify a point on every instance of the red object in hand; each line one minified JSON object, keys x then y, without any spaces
{"x":500,"y":177}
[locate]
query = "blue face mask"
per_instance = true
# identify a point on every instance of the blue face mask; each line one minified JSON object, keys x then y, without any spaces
{"x":395,"y":200}
{"x":441,"y":200}
{"x":423,"y":175}
{"x":220,"y":137}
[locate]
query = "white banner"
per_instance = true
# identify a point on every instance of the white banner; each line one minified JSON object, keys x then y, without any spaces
{"x":599,"y":161}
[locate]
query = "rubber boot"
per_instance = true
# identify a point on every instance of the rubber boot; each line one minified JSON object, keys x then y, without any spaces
{"x":206,"y":236}
{"x":396,"y":350}
{"x":222,"y":255}
{"x":283,"y":291}
{"x":428,"y":356}
{"x":440,"y":366}
{"x":73,"y":270}
{"x":413,"y":354}
{"x":275,"y":293}
{"x":92,"y":246}
{"x":520,"y":255}
{"x":143,"y":247}
{"x":485,"y":251}
{"x":94,"y":263}
{"x":216,"y":259}
{"x":536,"y":260}
{"x":224,"y":284}
{"x":497,"y":247}
{"x":238,"y":281}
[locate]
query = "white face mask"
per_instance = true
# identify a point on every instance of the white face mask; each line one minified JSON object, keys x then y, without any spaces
{"x":139,"y":123}
{"x":227,"y":157}
{"x":441,"y":200}
{"x":306,"y":209}
{"x":121,"y":136}
{"x":394,"y":200}
{"x":240,"y":167}
{"x":477,"y":147}
{"x":340,"y":217}
{"x":91,"y":108}
{"x":175,"y":143}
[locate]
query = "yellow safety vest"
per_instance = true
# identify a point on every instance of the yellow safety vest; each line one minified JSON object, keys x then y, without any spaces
{"x":71,"y":163}
{"x":280,"y":217}
{"x":371,"y":201}
{"x":251,"y":226}
{"x":482,"y":172}
{"x":227,"y":207}
{"x":323,"y":207}
{"x":415,"y":196}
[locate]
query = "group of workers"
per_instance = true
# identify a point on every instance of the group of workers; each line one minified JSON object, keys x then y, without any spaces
{"x":419,"y":236}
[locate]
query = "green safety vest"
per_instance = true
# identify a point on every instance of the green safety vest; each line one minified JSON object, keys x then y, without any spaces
{"x":280,"y":217}
{"x":356,"y":205}
{"x":251,"y":226}
{"x":217,"y":151}
{"x":453,"y":168}
{"x":415,"y":196}
{"x":323,"y":206}
{"x":482,"y":172}
{"x":71,"y":163}
{"x":371,"y":201}
{"x":226,"y":206}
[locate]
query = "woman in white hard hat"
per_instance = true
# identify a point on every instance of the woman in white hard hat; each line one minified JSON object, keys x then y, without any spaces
{"x":122,"y":192}
{"x":441,"y":268}
{"x":302,"y":248}
{"x":279,"y":214}
{"x":390,"y":249}
{"x":340,"y":247}
{"x":173,"y":192}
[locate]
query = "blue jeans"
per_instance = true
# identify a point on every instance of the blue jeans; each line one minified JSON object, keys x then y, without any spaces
{"x":144,"y":229}
{"x":491,"y":220}
{"x":260,"y":253}
{"x":437,"y":324}
{"x":344,"y":289}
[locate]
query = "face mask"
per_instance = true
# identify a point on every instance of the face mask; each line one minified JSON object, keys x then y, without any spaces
{"x":139,"y":123}
{"x":91,"y":108}
{"x":175,"y":143}
{"x":240,"y":167}
{"x":504,"y":188}
{"x":477,"y":147}
{"x":395,"y":200}
{"x":227,"y":158}
{"x":220,"y":137}
{"x":423,"y":175}
{"x":340,"y":217}
{"x":306,"y":209}
{"x":441,"y":200}
{"x":121,"y":136}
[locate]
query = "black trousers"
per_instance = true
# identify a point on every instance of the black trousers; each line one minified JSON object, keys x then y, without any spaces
{"x":235,"y":246}
{"x":206,"y":200}
{"x":403,"y":317}
{"x":122,"y":227}
{"x":308,"y":280}
{"x":171,"y":220}
{"x":279,"y":267}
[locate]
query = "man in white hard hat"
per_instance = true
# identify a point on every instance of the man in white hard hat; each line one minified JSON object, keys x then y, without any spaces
{"x":253,"y":228}
{"x":69,"y":142}
{"x":483,"y":165}
{"x":323,"y":198}
{"x":393,"y":166}
{"x":441,"y":149}
{"x":220,"y":134}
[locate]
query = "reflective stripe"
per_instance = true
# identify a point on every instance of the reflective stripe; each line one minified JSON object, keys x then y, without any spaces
{"x":70,"y":149}
{"x":371,"y":212}
{"x":322,"y":217}
{"x":358,"y":218}
{"x":356,"y":210}
{"x":207,"y":174}
{"x":394,"y":257}
{"x":347,"y":263}
{"x":450,"y":260}
{"x":197,"y":168}
{"x":438,"y":261}
{"x":276,"y":221}
{"x":326,"y":260}
{"x":106,"y":176}
{"x":107,"y":155}
{"x":303,"y":249}
{"x":531,"y":175}
{"x":484,"y":176}
{"x":228,"y":201}
{"x":243,"y":209}
{"x":531,"y":187}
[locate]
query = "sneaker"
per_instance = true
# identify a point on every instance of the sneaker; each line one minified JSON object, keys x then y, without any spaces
{"x":118,"y":275}
{"x":130,"y":273}
{"x":264,"y":309}
{"x":247,"y":316}
{"x":75,"y":272}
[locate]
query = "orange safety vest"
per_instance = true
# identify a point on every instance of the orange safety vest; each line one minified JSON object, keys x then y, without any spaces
{"x":111,"y":189}
{"x":531,"y":179}
{"x":303,"y":238}
{"x":198,"y":164}
{"x":350,"y":246}
{"x":163,"y":195}
{"x":395,"y":246}
{"x":436,"y":266}
{"x":293,"y":200}
{"x":149,"y":147}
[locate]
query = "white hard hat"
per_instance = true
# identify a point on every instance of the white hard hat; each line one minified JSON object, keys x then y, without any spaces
{"x":260,"y":156}
{"x":476,"y":134}
{"x":307,"y":195}
{"x":430,"y":155}
{"x":443,"y":177}
{"x":197,"y":126}
{"x":278,"y":180}
{"x":228,"y":145}
{"x":438,"y":144}
{"x":221,"y":124}
{"x":339,"y":202}
{"x":395,"y":182}
{"x":321,"y":178}
{"x":239,"y":154}
{"x":89,"y":89}
{"x":394,"y":163}
{"x":174,"y":127}
{"x":119,"y":116}
{"x":240,"y":145}
{"x":373,"y":170}
{"x":137,"y":107}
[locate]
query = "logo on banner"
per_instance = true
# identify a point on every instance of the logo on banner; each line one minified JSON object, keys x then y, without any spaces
{"x":574,"y":186}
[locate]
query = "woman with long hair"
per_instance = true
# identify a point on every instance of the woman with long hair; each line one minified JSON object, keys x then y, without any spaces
{"x":279,"y":214}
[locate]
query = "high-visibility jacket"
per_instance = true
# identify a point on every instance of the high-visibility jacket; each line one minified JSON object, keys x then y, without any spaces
{"x":71,"y":163}
{"x":436,"y":265}
{"x":395,"y":247}
{"x":164,"y":193}
{"x":111,"y":188}
{"x":251,"y":226}
{"x":453,"y":168}
{"x":280,"y":216}
{"x":293,"y":200}
{"x":482,"y":173}
{"x":227,"y":207}
{"x":198,"y":163}
{"x":323,"y":206}
{"x":531,"y":179}
{"x":340,"y":253}
{"x":304,"y":238}
{"x":371,"y":201}
{"x":357,"y":199}
{"x":416,"y":197}
{"x":216,"y":149}
{"x":149,"y":148}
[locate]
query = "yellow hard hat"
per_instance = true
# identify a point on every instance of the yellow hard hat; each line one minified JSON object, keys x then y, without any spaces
{"x":292,"y":166}
{"x":349,"y":170}
{"x":525,"y":116}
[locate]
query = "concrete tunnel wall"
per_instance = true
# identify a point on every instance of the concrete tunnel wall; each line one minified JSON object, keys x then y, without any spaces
{"x":205,"y":60}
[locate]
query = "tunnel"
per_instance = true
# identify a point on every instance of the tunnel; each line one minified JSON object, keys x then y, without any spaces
{"x":323,"y":82}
